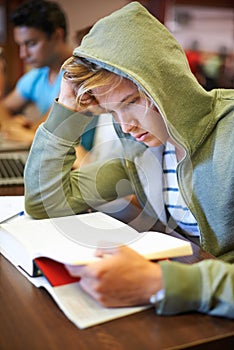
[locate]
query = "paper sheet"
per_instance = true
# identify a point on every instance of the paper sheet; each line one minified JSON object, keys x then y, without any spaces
{"x":79,"y":307}
{"x":10,"y":205}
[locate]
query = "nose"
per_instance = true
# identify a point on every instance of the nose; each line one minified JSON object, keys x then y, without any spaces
{"x":127,"y":127}
{"x":126,"y":120}
{"x":23,"y":52}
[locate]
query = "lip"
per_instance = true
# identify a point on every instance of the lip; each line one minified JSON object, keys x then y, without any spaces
{"x":140,"y":137}
{"x":28,"y":62}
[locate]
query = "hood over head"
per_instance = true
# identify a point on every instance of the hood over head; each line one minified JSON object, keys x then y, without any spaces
{"x":133,"y":43}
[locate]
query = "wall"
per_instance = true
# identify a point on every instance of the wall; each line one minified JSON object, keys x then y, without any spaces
{"x":81,"y":13}
{"x":211,"y":27}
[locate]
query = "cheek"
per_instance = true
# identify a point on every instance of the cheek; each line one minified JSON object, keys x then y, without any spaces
{"x":156,"y":125}
{"x":150,"y":120}
{"x":36,"y":50}
{"x":42,"y":49}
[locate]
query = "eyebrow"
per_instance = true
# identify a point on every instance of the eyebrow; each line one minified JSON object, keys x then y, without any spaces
{"x":123,"y":99}
{"x":126,"y":97}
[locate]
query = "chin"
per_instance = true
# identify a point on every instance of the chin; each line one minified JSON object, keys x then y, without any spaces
{"x":154,"y":143}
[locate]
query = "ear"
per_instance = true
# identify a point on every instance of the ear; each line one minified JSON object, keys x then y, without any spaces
{"x":59,"y":34}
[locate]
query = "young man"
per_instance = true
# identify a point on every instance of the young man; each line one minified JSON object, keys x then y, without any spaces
{"x":40,"y":30}
{"x":177,"y":139}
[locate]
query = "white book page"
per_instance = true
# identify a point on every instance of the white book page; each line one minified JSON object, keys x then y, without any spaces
{"x":157,"y":245}
{"x":73,"y":240}
{"x":78,"y":306}
{"x":82,"y":309}
{"x":10,"y":206}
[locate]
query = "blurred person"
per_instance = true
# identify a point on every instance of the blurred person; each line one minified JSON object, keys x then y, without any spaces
{"x":80,"y":33}
{"x":195,"y":62}
{"x":226,"y":76}
{"x":40,"y":30}
{"x":213,"y":68}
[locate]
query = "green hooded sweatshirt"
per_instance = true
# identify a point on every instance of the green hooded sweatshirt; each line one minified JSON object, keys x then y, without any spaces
{"x":132,"y":43}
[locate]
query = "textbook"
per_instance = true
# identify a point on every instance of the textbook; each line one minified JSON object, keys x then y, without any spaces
{"x":39,"y":249}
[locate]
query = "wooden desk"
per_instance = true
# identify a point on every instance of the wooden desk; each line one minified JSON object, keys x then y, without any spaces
{"x":11,"y":190}
{"x":29,"y":319}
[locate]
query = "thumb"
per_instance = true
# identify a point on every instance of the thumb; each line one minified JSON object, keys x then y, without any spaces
{"x":105,"y":250}
{"x":74,"y":270}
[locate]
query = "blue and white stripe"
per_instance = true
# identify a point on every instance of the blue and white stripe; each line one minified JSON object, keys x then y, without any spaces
{"x":172,"y":197}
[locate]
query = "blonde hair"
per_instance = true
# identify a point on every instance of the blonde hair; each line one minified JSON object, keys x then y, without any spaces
{"x":86,"y":76}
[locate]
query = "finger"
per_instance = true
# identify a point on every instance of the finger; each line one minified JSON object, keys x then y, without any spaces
{"x":88,"y":285}
{"x":74,"y":270}
{"x":106,"y":249}
{"x":89,"y":271}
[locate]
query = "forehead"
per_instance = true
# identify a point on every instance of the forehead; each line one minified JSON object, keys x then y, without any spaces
{"x":23,"y":34}
{"x":114,"y":93}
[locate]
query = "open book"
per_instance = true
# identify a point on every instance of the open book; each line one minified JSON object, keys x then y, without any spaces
{"x":40,"y":248}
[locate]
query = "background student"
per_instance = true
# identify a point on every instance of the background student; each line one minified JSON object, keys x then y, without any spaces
{"x":40,"y":30}
{"x":177,"y":139}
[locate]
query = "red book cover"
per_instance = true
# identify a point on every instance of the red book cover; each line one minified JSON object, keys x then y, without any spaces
{"x":55,"y":272}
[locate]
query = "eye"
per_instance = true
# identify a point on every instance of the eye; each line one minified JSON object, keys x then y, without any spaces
{"x":31,"y":43}
{"x":134,"y":100}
